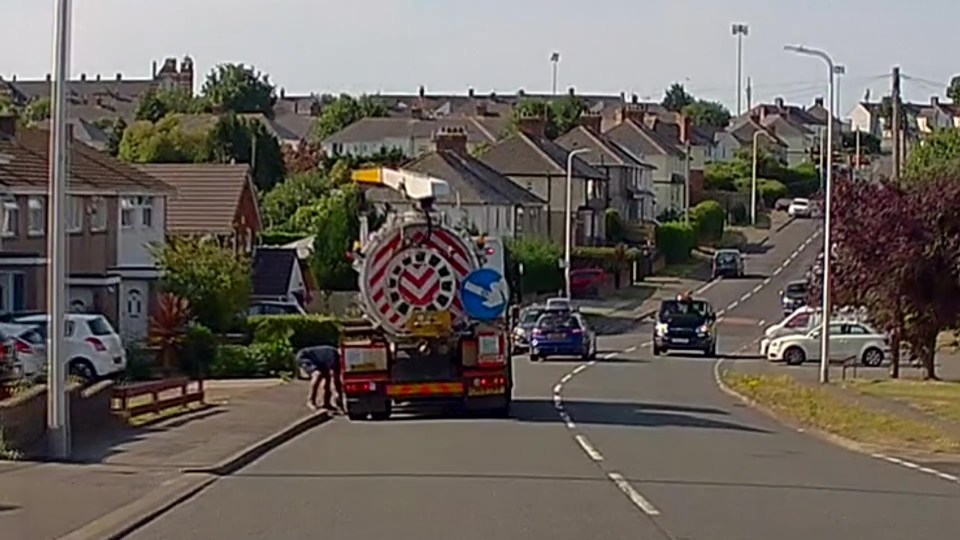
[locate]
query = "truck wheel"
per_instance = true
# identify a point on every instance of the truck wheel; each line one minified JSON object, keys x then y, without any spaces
{"x":356,"y":417}
{"x":657,"y":351}
{"x":383,"y":414}
{"x":502,"y":411}
{"x":534,"y":357}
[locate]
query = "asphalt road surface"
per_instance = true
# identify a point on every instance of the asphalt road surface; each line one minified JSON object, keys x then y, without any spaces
{"x":630,"y":447}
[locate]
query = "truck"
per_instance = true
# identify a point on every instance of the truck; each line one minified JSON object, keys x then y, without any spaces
{"x":435,"y":304}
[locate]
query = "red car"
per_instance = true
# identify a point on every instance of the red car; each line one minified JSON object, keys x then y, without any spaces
{"x":587,"y":282}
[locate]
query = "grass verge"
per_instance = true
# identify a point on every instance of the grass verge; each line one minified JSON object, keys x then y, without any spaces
{"x":940,"y":399}
{"x":818,"y":409}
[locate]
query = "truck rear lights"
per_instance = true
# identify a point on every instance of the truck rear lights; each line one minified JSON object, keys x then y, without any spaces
{"x":489,"y":382}
{"x":360,"y":387}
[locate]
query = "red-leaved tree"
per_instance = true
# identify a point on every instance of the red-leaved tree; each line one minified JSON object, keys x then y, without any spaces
{"x":306,"y":157}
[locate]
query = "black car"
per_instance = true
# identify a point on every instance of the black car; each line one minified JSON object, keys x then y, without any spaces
{"x":728,"y":263}
{"x":794,"y":296}
{"x":685,"y":324}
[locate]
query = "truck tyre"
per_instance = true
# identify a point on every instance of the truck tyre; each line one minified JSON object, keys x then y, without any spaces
{"x":383,"y":414}
{"x":534,"y":357}
{"x":356,"y":417}
{"x":657,"y":351}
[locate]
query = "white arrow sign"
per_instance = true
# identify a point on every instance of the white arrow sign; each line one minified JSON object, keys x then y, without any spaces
{"x":495,"y":297}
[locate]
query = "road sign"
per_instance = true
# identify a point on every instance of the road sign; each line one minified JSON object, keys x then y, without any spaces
{"x":484,"y":294}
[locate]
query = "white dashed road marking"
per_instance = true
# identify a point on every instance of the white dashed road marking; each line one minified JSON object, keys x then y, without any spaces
{"x":635,"y":497}
{"x":588,"y":448}
{"x":913,"y":466}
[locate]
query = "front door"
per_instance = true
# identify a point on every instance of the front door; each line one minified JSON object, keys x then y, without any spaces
{"x":134,"y":316}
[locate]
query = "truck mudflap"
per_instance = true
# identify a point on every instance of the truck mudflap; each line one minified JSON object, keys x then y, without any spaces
{"x":478,"y":391}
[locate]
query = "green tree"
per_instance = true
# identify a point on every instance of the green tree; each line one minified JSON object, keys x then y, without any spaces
{"x":163,"y":142}
{"x":239,"y":89}
{"x":335,"y":223}
{"x":8,"y":107}
{"x":346,"y":110}
{"x":953,"y":91}
{"x":939,"y":149}
{"x":298,"y":190}
{"x":114,"y":128}
{"x":158,"y":103}
{"x":37,"y":110}
{"x":704,"y":113}
{"x":560,"y":115}
{"x":307,"y":156}
{"x":246,"y":140}
{"x":214,"y":280}
{"x":676,"y":98}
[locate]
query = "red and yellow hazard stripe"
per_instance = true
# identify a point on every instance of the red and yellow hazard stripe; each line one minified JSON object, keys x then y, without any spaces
{"x":425,"y":389}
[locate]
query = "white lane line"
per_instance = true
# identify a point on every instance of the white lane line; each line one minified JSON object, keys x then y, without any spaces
{"x":630,"y":350}
{"x":913,"y":466}
{"x":610,"y":355}
{"x":558,"y":402}
{"x":635,"y":497}
{"x":777,"y":271}
{"x":949,"y":477}
{"x":745,"y":297}
{"x":588,"y":448}
{"x":566,"y":378}
{"x":766,"y":282}
{"x":558,"y":388}
{"x":733,"y":306}
{"x":579,"y":369}
{"x":706,"y":286}
{"x":757,"y":289}
{"x":761,"y":323}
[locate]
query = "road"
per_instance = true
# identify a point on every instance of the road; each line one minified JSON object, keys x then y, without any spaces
{"x":631,"y":446}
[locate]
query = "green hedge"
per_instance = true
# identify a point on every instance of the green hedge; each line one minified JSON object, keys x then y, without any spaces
{"x":540,"y":260}
{"x":279,"y":238}
{"x":768,"y":191}
{"x":676,"y":240}
{"x":708,"y":219}
{"x":301,"y":330}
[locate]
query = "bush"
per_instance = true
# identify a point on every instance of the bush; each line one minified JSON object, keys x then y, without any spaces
{"x":541,"y":271}
{"x":676,"y":240}
{"x":276,"y":357}
{"x":768,"y":191}
{"x":198,"y":350}
{"x":708,"y":218}
{"x":739,"y":215}
{"x":614,"y":226}
{"x":300,"y":330}
{"x":279,"y":238}
{"x":237,"y":362}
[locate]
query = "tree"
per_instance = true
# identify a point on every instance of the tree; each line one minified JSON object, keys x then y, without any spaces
{"x":561,"y":115}
{"x":246,"y":140}
{"x":869,"y":143}
{"x":239,"y":89}
{"x":163,"y":142}
{"x":214,"y":280}
{"x":953,"y":91}
{"x":158,"y":103}
{"x":37,"y":110}
{"x":307,"y":156}
{"x":335,"y":223}
{"x":346,"y":110}
{"x":704,"y":113}
{"x":114,"y":128}
{"x":676,"y":98}
{"x":935,"y":151}
{"x":299,"y":190}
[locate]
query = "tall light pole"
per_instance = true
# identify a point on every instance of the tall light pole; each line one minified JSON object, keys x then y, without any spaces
{"x":555,"y":60}
{"x":57,"y":417}
{"x":753,"y":183}
{"x":568,"y":244}
{"x":740,"y":30}
{"x":827,"y":307}
{"x":839,"y":71}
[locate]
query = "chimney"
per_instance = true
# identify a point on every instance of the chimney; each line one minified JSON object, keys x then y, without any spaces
{"x":119,"y":76}
{"x":623,"y":97}
{"x":779,"y":103}
{"x":83,"y":77}
{"x":422,"y":92}
{"x":14,"y":77}
{"x":591,"y":121}
{"x":572,"y":91}
{"x":8,"y":126}
{"x":818,"y":102}
{"x":685,"y":126}
{"x":532,"y":125}
{"x":934,"y":101}
{"x":521,"y":92}
{"x":153,"y":70}
{"x":98,"y":76}
{"x":451,"y":138}
{"x":634,"y":99}
{"x":650,"y":120}
{"x":470,"y":92}
{"x":481,"y":109}
{"x":283,"y":93}
{"x":49,"y":77}
{"x":630,"y":112}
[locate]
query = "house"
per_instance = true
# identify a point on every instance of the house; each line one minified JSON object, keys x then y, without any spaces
{"x":539,"y":166}
{"x":99,"y":98}
{"x":919,"y":118}
{"x":413,"y":136}
{"x":481,"y":200}
{"x":215,"y":200}
{"x":114,"y":214}
{"x":633,"y":133}
{"x":280,"y":275}
{"x":629,"y":178}
{"x":801,"y":129}
{"x":740,"y":137}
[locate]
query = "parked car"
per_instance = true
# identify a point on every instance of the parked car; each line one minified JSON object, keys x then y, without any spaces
{"x":94,"y":349}
{"x":803,"y":320}
{"x":275,"y":308}
{"x":588,"y":282}
{"x":847,"y":340}
{"x":799,"y":208}
{"x":685,"y":324}
{"x":559,"y":304}
{"x":794,"y":296}
{"x":728,"y":263}
{"x":562,"y":334}
{"x":525,"y":322}
{"x":782,"y":204}
{"x":25,"y":348}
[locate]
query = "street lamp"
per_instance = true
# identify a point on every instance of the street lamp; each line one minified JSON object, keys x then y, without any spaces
{"x":839,"y":71}
{"x":827,"y":308}
{"x":753,"y":184}
{"x":569,"y":228}
{"x":740,"y":30}
{"x":555,"y":59}
{"x":57,"y":417}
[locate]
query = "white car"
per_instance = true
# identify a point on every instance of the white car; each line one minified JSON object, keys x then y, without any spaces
{"x":847,"y":340}
{"x":799,"y":208}
{"x":93,"y":349}
{"x":28,"y":346}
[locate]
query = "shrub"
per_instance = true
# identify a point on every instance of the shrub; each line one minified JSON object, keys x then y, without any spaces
{"x":236,"y":362}
{"x":541,"y":271}
{"x":768,"y":191}
{"x":198,"y":350}
{"x":708,"y":218}
{"x":676,"y":240}
{"x":279,"y":238}
{"x":614,"y":226}
{"x":300,"y":330}
{"x":739,"y":215}
{"x":276,"y":357}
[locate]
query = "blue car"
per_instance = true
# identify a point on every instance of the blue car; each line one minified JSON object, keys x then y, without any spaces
{"x":562,"y":334}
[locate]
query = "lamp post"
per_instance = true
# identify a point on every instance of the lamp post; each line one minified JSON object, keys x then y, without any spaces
{"x":753,"y":183}
{"x":839,"y":71}
{"x":568,"y":244}
{"x":57,"y":417}
{"x":555,"y":60}
{"x":740,"y":30}
{"x":827,"y":307}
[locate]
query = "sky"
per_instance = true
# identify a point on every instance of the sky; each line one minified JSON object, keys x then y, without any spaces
{"x":608,"y":46}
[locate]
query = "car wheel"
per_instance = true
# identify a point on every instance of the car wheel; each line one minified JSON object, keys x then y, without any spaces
{"x":657,"y":351}
{"x":710,"y":351}
{"x":82,"y":369}
{"x":794,"y":356}
{"x":534,"y":357}
{"x":872,"y":357}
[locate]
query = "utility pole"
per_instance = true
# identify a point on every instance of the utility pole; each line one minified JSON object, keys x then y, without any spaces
{"x":740,"y":30}
{"x":895,"y":123}
{"x":686,"y":185}
{"x":58,"y":419}
{"x":749,"y":93}
{"x":555,"y":60}
{"x":857,"y":162}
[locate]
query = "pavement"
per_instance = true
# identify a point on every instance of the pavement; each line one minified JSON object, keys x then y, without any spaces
{"x":629,"y":446}
{"x":114,"y":482}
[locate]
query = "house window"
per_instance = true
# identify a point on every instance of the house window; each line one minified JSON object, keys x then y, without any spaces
{"x":128,"y":206}
{"x":36,"y":216}
{"x":74,"y":214}
{"x":134,"y":304}
{"x":146,"y":211}
{"x":11,"y":217}
{"x":98,"y":214}
{"x":12,"y":292}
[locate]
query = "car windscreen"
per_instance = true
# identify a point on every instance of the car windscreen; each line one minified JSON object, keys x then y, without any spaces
{"x":673,"y":310}
{"x":726,"y":258}
{"x":100,"y":327}
{"x":558,"y":322}
{"x":531,"y":316}
{"x":796,"y":290}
